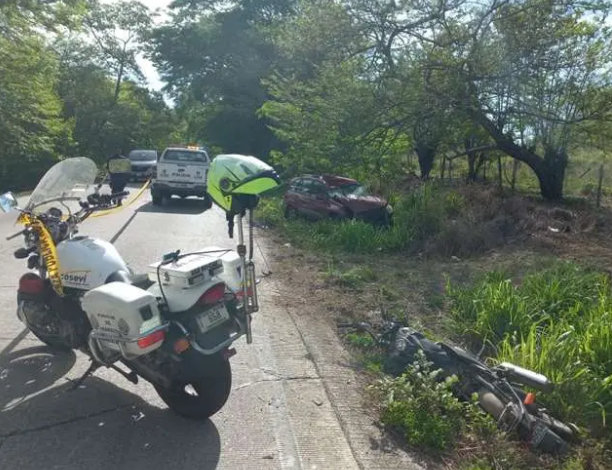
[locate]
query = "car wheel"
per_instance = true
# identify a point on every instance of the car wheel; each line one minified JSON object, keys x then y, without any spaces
{"x":387,"y":220}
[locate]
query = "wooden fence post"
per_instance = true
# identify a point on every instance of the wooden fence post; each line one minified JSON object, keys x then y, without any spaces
{"x":600,"y":184}
{"x":515,"y":165}
{"x":443,"y":168}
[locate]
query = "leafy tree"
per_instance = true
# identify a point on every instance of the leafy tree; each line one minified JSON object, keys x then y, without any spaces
{"x":528,"y":71}
{"x":135,"y":118}
{"x":32,"y":132}
{"x":323,"y":106}
{"x":118,"y":30}
{"x":524,"y":71}
{"x":213,"y":60}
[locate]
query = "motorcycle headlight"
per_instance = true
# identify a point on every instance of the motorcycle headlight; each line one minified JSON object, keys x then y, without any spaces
{"x":389,"y":208}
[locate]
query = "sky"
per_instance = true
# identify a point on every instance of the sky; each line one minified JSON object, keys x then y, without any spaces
{"x":146,"y":66}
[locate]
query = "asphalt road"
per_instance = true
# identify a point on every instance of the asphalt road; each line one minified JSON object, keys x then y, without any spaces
{"x":278,"y":415}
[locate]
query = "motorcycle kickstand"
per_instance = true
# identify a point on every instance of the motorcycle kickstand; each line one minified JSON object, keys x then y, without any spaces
{"x":131,"y":375}
{"x":90,"y":370}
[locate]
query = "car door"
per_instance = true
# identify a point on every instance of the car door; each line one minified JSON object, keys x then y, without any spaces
{"x":292,"y":196}
{"x":304,"y":199}
{"x":319,"y":199}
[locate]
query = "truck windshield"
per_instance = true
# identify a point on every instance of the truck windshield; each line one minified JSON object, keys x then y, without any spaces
{"x":142,"y":155}
{"x":185,"y":156}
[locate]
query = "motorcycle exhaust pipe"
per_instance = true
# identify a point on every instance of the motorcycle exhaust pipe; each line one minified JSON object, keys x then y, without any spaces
{"x":525,"y":376}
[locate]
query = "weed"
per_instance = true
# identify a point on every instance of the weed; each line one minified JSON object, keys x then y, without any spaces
{"x":422,"y":407}
{"x":360,"y":340}
{"x":558,"y":322}
{"x":270,"y":211}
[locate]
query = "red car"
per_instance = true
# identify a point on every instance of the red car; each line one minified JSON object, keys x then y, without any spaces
{"x":335,"y":197}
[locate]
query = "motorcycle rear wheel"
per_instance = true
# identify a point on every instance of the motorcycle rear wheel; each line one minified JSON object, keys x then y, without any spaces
{"x":211,"y":393}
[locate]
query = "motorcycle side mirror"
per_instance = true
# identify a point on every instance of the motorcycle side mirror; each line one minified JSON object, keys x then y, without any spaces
{"x":8,"y":201}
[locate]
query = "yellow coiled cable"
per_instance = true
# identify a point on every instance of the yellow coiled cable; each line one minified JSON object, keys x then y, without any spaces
{"x":47,"y":251}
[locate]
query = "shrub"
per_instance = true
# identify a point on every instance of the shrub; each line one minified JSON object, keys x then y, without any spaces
{"x":422,"y":408}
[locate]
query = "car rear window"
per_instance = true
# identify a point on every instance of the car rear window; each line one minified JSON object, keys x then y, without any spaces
{"x":142,"y":155}
{"x":186,"y":156}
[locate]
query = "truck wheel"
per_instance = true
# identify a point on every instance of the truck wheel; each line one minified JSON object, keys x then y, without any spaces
{"x":207,"y":201}
{"x":157,"y":199}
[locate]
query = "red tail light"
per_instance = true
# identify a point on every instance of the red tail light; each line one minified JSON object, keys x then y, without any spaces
{"x":31,"y":283}
{"x":149,"y":340}
{"x":213,"y":295}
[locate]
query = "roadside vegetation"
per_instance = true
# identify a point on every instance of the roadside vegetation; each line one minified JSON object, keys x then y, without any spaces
{"x":539,"y":304}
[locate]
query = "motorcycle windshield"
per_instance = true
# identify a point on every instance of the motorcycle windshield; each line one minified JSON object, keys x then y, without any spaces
{"x":69,"y":178}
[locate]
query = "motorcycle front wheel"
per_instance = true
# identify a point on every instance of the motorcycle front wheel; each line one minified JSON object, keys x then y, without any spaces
{"x":202,"y":398}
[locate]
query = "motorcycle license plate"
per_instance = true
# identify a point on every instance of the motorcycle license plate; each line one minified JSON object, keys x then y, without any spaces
{"x":213,"y":317}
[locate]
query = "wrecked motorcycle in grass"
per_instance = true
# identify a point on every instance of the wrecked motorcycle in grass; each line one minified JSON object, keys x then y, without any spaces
{"x":499,"y":389}
{"x":172,"y":326}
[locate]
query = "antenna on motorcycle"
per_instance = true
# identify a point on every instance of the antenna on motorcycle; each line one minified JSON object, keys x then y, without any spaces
{"x":246,"y":203}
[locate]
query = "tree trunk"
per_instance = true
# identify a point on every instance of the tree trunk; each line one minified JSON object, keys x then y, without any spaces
{"x":118,"y":82}
{"x":426,"y":156}
{"x":471,"y":161}
{"x":443,"y":168}
{"x":515,"y":165}
{"x":549,"y":170}
{"x":472,"y":158}
{"x":600,"y":184}
{"x":551,"y":173}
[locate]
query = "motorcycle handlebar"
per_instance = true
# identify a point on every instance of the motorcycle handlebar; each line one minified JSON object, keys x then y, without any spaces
{"x":96,"y":199}
{"x":10,"y":237}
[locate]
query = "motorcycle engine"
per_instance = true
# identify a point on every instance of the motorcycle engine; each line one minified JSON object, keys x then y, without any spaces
{"x":61,"y":318}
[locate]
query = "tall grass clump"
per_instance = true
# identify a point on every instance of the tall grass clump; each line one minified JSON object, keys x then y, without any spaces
{"x":558,"y":322}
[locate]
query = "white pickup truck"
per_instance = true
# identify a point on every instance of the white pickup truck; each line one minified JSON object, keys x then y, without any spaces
{"x":180,"y":171}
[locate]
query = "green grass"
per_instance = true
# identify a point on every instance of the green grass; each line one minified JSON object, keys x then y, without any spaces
{"x":354,"y":277}
{"x":557,"y":321}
